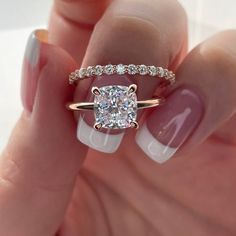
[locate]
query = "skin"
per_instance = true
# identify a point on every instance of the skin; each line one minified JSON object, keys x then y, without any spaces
{"x":66,"y":189}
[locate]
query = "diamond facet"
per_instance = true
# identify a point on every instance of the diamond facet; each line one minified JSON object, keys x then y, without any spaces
{"x":143,"y":70}
{"x":109,"y":69}
{"x":152,"y":70}
{"x":120,"y":69}
{"x":132,"y":70}
{"x":115,"y":107}
{"x":98,"y":70}
{"x":81,"y":73}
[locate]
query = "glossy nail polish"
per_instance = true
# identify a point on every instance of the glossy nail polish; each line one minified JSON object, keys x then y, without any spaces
{"x":31,"y":68}
{"x":169,"y":126}
{"x":104,"y":140}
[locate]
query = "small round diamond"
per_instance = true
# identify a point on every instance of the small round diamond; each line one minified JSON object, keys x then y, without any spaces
{"x":90,"y":71}
{"x":152,"y":70}
{"x":72,"y":77}
{"x":171,"y":75}
{"x":81,"y":73}
{"x":143,"y":70}
{"x":109,"y":69}
{"x":132,"y":69}
{"x":161,"y":72}
{"x":98,"y":70}
{"x":120,"y":69}
{"x":166,"y":73}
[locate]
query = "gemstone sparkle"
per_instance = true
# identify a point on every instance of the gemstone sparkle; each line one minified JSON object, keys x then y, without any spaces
{"x":120,"y":69}
{"x":109,"y":69}
{"x":143,"y":70}
{"x":115,"y":107}
{"x":132,"y":69}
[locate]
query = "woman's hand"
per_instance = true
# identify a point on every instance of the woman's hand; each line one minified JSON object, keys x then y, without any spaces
{"x":46,"y":187}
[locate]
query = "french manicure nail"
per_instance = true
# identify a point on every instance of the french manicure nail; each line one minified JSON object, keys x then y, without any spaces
{"x":104,"y":140}
{"x":31,"y":68}
{"x":169,"y":126}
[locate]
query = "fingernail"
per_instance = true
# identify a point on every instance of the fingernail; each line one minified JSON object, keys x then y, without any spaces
{"x":104,"y":140}
{"x":169,"y":126}
{"x":31,"y":68}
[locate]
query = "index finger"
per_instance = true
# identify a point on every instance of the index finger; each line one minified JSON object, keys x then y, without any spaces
{"x":72,"y":22}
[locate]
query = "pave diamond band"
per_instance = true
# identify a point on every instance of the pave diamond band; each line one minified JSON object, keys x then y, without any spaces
{"x":121,"y":69}
{"x":115,"y":106}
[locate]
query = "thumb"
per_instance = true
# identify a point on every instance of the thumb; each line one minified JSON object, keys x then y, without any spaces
{"x":40,"y":163}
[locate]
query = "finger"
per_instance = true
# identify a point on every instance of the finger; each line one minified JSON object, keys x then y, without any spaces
{"x":72,"y":22}
{"x":204,"y":99}
{"x":130,"y":32}
{"x":39,"y":165}
{"x":226,"y":133}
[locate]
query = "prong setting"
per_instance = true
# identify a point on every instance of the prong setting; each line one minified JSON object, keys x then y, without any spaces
{"x":97,"y":126}
{"x":132,"y":88}
{"x":115,"y":106}
{"x":134,"y":124}
{"x":95,"y":91}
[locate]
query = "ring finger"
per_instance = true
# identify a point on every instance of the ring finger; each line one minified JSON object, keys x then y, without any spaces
{"x":130,"y":32}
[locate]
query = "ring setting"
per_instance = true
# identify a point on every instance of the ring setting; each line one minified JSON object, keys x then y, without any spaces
{"x":116,"y":106}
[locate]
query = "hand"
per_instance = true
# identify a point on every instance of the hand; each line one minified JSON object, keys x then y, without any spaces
{"x":47,"y":187}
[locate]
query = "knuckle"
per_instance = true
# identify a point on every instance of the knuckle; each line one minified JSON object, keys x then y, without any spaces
{"x":149,"y":27}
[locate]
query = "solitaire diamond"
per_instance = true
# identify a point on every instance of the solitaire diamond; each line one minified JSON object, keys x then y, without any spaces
{"x":115,"y":107}
{"x":81,"y":73}
{"x":161,"y":72}
{"x":90,"y":71}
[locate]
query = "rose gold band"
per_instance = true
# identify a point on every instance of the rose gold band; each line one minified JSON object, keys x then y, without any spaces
{"x":140,"y":104}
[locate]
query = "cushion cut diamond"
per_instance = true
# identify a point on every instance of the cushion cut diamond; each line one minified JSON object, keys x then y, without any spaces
{"x":115,"y":107}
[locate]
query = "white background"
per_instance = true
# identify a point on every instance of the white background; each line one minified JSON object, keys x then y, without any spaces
{"x":19,"y":17}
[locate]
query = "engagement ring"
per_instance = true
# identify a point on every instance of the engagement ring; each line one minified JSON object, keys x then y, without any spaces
{"x":116,"y":106}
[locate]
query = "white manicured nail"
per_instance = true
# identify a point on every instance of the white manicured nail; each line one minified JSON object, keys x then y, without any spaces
{"x":152,"y":147}
{"x":97,"y":140}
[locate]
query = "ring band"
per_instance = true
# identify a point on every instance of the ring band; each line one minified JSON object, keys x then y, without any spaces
{"x":140,"y":104}
{"x":115,"y":106}
{"x":121,"y":69}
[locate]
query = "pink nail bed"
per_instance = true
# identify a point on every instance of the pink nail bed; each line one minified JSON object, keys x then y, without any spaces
{"x":104,"y":140}
{"x":168,"y":127}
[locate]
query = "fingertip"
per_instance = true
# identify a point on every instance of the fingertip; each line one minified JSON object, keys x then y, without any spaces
{"x":168,"y":127}
{"x":153,"y":148}
{"x":103,"y":142}
{"x":39,"y":54}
